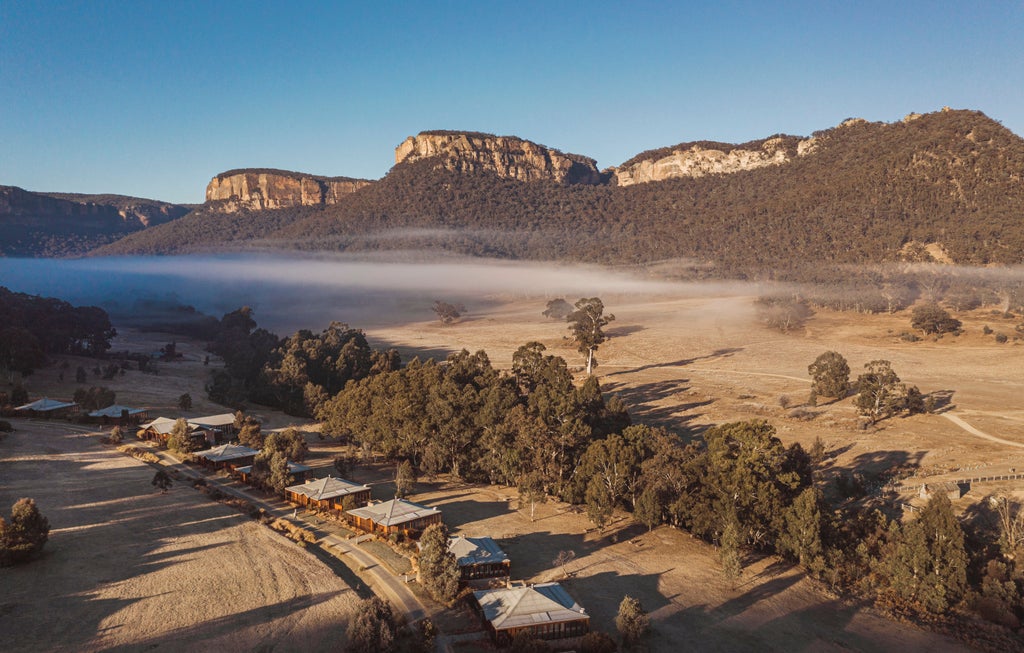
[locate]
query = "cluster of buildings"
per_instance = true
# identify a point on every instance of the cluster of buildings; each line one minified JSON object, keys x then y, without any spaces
{"x":543,"y":611}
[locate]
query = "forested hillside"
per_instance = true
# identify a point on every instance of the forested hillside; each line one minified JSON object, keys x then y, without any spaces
{"x":862,"y":194}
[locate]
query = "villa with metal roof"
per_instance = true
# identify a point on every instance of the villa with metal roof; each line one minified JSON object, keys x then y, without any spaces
{"x":479,"y":557}
{"x":120,"y":414}
{"x":157,"y":430}
{"x":543,"y":611}
{"x":394,"y":516}
{"x":47,"y":407}
{"x":227,"y":456}
{"x":215,"y":428}
{"x":329,"y":493}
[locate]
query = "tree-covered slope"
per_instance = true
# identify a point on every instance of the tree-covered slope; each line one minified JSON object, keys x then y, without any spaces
{"x":861,"y":194}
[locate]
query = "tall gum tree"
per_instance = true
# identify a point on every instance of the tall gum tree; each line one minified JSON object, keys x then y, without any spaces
{"x":586,"y":324}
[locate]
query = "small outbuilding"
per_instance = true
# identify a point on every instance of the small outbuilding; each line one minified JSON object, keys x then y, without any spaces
{"x":952,"y":490}
{"x":394,"y":516}
{"x":329,"y":493}
{"x":479,"y":558}
{"x":227,"y":456}
{"x":543,"y":611}
{"x":48,"y":408}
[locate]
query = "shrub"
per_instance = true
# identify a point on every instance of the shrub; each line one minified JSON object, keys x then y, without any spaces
{"x":1001,"y":337}
{"x":987,"y":330}
{"x":5,"y":426}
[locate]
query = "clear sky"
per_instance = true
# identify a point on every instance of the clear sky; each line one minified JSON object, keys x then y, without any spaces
{"x":153,"y":98}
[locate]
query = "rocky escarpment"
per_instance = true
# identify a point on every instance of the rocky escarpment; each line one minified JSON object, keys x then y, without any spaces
{"x":59,"y":224}
{"x":507,"y":156}
{"x":277,"y":189}
{"x":134,"y":211}
{"x":707,"y":158}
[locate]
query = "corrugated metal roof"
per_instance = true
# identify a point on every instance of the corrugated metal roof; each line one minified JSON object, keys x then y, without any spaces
{"x":476,"y":550}
{"x":214,"y":421}
{"x":46,"y":404}
{"x":394,"y":512}
{"x":161,"y":425}
{"x":327,"y":488}
{"x":227,"y":452}
{"x":527,"y":606}
{"x":114,"y":410}
{"x":293,"y":468}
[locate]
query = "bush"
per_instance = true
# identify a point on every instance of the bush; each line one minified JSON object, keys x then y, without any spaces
{"x":5,"y":426}
{"x":23,"y":536}
{"x":987,"y":330}
{"x":1001,"y":338}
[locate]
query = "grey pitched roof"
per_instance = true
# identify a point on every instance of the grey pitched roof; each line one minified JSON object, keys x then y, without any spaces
{"x":475,"y":550}
{"x":227,"y":452}
{"x":394,"y":512}
{"x":528,"y":606}
{"x":213,"y":421}
{"x":327,"y":488}
{"x":46,"y":404}
{"x":161,"y":425}
{"x":114,"y":410}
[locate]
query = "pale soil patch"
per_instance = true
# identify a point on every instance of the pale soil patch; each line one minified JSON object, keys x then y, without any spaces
{"x":128,"y":568}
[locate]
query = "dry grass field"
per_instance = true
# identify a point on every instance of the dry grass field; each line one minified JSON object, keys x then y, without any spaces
{"x":129,"y":568}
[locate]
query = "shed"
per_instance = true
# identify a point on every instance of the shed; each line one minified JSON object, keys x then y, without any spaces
{"x":543,"y":611}
{"x":329,"y":493}
{"x":952,"y":490}
{"x":394,"y":516}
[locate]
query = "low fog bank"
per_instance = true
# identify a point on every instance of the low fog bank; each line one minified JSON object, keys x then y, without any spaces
{"x":290,"y":293}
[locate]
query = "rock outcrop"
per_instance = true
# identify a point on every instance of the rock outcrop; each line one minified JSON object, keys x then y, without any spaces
{"x":507,"y":156}
{"x":278,"y":189}
{"x":706,"y":158}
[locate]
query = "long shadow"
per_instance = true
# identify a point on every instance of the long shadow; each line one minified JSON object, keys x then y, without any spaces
{"x":718,"y":353}
{"x":201,"y":634}
{"x":624,"y":330}
{"x":457,"y":513}
{"x":642,"y":401}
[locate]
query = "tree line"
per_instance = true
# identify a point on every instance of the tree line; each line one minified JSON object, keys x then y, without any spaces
{"x":32,"y":327}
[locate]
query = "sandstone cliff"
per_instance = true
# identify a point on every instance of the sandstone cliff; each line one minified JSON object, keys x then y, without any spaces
{"x":707,"y":158}
{"x":277,"y":189}
{"x":507,"y":156}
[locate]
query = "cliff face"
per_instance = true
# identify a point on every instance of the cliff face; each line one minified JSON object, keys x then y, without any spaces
{"x":700,"y":159}
{"x":507,"y":156}
{"x":33,"y":224}
{"x":277,"y":189}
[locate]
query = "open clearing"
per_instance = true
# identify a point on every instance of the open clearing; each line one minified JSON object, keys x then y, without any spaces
{"x":128,"y":568}
{"x":122,"y":558}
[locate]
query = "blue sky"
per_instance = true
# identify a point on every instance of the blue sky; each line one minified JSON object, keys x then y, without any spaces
{"x":154,"y":98}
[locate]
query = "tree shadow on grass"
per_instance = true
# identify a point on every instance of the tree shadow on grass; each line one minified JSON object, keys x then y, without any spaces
{"x":202,"y":634}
